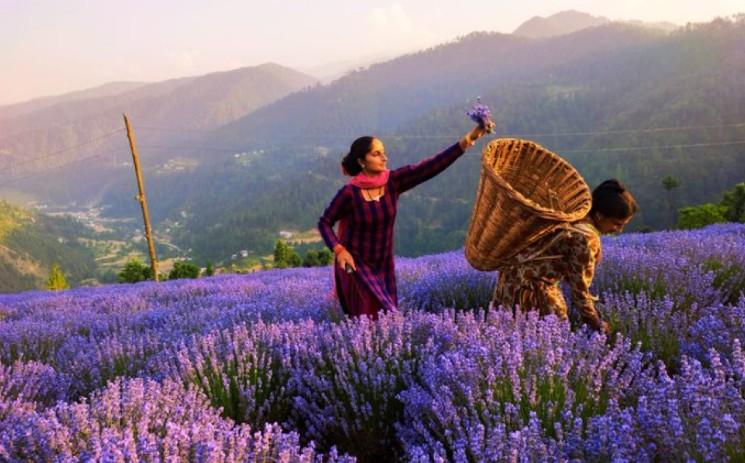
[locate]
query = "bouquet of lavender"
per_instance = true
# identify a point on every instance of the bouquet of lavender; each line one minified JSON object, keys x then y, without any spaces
{"x":481,"y":115}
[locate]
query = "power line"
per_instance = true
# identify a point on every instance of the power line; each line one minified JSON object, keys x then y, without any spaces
{"x":172,"y":129}
{"x":37,"y":174}
{"x":600,"y":132}
{"x":640,"y":148}
{"x":234,"y":149}
{"x":190,"y":148}
{"x":68,"y":148}
{"x":561,"y":150}
{"x":537,"y":134}
{"x":543,"y":134}
{"x":650,"y":130}
{"x":42,"y":129}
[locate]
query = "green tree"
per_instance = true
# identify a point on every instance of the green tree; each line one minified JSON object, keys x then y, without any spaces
{"x":734,"y":203}
{"x":281,"y":254}
{"x":325,"y":257}
{"x":701,"y":215}
{"x":57,"y":280}
{"x":135,"y":271}
{"x":318,"y":258}
{"x":183,"y":269}
{"x":670,"y":183}
{"x":285,"y":256}
{"x":311,"y":259}
{"x":294,"y":260}
{"x":209,"y":269}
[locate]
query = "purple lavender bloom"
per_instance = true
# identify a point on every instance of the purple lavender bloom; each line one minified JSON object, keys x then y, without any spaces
{"x":32,"y":382}
{"x":480,"y":114}
{"x":144,"y":420}
{"x":347,"y":378}
{"x":440,"y":380}
{"x":514,"y":386}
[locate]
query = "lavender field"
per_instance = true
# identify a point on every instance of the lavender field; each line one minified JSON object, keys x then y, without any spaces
{"x":262,"y":367}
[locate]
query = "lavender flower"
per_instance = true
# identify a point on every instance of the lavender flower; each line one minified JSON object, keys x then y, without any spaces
{"x":205,"y":369}
{"x":481,"y":114}
{"x":143,"y":420}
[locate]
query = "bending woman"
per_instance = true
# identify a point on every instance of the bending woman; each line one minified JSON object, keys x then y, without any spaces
{"x":366,"y":210}
{"x":569,"y":254}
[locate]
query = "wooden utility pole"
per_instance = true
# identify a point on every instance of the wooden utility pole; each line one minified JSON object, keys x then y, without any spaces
{"x":142,"y":199}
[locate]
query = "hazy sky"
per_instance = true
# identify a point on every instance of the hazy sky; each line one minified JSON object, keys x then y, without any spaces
{"x":56,"y":46}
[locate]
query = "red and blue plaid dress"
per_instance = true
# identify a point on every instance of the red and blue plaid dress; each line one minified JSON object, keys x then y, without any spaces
{"x":368,"y":235}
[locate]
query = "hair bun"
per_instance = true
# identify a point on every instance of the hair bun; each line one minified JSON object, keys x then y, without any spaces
{"x":613,"y":185}
{"x":612,"y":199}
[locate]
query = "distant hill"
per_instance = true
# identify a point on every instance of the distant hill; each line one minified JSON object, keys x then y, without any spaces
{"x":588,"y":95}
{"x":193,"y":103}
{"x":329,"y":72}
{"x":110,"y":89}
{"x":30,"y":243}
{"x":609,"y":79}
{"x":561,"y":23}
{"x":567,"y":22}
{"x":663,"y":26}
{"x":386,"y":95}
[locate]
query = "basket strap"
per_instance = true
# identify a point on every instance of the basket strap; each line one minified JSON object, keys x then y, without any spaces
{"x":584,"y":228}
{"x":563,"y":231}
{"x":536,"y":255}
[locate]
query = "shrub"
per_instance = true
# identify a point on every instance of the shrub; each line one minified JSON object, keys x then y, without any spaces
{"x":184,"y":270}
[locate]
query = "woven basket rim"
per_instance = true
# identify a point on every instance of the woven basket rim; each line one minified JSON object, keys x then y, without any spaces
{"x":541,"y":211}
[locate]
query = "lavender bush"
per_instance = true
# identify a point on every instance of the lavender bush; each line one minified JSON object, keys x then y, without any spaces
{"x":244,"y":370}
{"x":519,"y":386}
{"x":142,"y":420}
{"x":698,"y":414}
{"x":347,"y":380}
{"x":444,"y":281}
{"x":252,"y":367}
{"x":654,"y":324}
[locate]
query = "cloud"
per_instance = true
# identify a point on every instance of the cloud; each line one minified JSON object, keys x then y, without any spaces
{"x":391,"y":19}
{"x":393,"y":28}
{"x":184,"y":60}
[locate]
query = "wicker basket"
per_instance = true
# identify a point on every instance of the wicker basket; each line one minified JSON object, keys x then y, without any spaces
{"x":525,"y":191}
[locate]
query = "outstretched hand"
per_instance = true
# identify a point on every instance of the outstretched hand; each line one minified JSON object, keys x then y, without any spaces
{"x":477,"y":132}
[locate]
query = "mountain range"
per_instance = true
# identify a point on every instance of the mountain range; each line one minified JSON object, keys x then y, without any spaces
{"x":570,"y":21}
{"x":232,"y":158}
{"x":33,"y":130}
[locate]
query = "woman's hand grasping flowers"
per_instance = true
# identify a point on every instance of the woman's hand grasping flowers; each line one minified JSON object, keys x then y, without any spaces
{"x":480,"y":114}
{"x":477,"y":132}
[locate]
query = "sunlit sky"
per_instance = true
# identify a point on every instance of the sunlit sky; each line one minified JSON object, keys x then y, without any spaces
{"x":51,"y":47}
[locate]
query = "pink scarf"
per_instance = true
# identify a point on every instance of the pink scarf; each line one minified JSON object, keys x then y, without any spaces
{"x":370,"y":181}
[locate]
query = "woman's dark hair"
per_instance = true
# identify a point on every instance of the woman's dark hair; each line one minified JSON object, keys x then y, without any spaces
{"x":360,"y":147}
{"x":613,"y":200}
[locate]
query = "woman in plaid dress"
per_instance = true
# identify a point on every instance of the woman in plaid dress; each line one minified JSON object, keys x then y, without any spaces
{"x":366,"y":210}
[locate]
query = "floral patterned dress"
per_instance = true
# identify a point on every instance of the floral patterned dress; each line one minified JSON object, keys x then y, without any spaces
{"x":569,"y":254}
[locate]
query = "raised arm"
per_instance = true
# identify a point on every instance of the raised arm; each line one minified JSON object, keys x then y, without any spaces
{"x":407,"y":177}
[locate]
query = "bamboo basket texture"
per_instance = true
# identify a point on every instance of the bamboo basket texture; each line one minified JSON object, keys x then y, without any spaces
{"x":524,"y":193}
